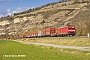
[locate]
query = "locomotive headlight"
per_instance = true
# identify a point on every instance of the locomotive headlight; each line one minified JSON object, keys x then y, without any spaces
{"x":73,"y":30}
{"x":69,"y":30}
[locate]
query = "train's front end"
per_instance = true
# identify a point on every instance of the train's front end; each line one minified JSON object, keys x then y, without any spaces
{"x":71,"y":31}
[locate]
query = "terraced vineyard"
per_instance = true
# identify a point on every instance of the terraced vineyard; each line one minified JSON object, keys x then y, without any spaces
{"x":32,"y":52}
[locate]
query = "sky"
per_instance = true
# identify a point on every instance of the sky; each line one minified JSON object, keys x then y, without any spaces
{"x":8,"y":7}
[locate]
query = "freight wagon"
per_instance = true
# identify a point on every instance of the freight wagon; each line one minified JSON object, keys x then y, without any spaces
{"x":46,"y":32}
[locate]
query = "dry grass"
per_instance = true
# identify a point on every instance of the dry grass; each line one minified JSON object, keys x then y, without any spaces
{"x":74,"y":6}
{"x":72,"y":41}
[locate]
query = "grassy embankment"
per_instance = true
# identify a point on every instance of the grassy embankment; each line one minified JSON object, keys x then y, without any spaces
{"x":33,"y":52}
{"x":72,"y":41}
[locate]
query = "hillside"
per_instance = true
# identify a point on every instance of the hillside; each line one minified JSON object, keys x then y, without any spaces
{"x":49,"y":15}
{"x":82,"y":21}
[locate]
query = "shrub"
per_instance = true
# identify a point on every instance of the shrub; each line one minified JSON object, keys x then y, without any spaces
{"x":43,"y":22}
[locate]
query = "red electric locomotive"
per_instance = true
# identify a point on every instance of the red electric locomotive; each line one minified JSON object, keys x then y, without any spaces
{"x":66,"y":31}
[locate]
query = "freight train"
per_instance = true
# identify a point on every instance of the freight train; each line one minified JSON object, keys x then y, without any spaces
{"x":52,"y":32}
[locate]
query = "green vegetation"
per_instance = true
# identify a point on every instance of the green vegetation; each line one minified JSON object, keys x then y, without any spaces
{"x":72,"y":41}
{"x":33,"y":52}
